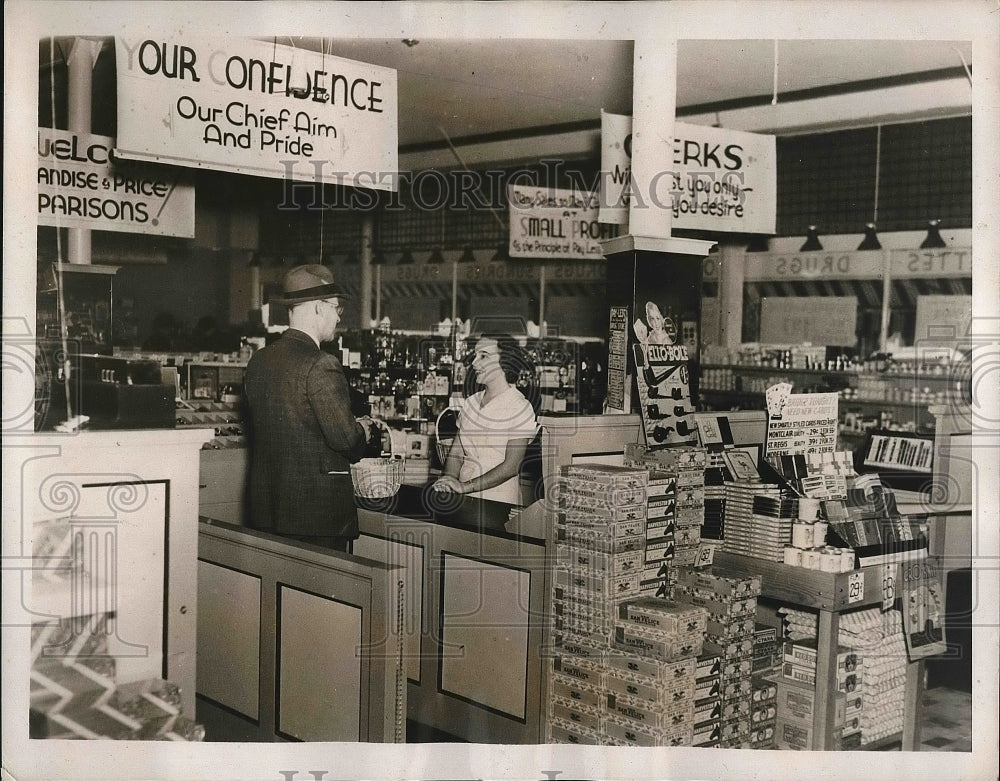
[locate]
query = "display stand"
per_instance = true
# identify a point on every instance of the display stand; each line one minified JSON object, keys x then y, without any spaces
{"x":830,"y":595}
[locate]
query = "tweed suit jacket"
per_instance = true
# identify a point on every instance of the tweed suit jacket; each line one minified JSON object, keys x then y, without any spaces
{"x":303,"y":440}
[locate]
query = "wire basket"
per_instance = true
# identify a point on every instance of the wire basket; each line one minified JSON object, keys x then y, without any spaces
{"x":378,"y":478}
{"x":443,"y":443}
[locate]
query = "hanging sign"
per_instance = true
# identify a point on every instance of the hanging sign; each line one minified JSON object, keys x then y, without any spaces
{"x":799,"y":422}
{"x":721,"y":179}
{"x":254,"y":107}
{"x":550,"y":223}
{"x":81,"y":186}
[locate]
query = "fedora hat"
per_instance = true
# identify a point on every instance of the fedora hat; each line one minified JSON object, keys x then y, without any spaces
{"x":309,"y":283}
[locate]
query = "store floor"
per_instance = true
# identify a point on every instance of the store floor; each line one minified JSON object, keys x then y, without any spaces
{"x":947,"y":724}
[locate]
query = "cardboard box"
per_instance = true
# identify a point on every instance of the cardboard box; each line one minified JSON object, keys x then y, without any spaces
{"x":793,"y":736}
{"x":566,"y":710}
{"x":561,"y":731}
{"x":796,"y":703}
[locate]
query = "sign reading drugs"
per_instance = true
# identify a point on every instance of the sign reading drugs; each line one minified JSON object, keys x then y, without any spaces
{"x":720,"y":179}
{"x":550,"y":223}
{"x":257,"y":108}
{"x":81,"y":186}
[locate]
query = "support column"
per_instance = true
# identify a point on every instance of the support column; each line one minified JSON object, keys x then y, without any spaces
{"x":367,"y":239}
{"x":732,"y":271}
{"x":654,"y":103}
{"x":80,"y":65}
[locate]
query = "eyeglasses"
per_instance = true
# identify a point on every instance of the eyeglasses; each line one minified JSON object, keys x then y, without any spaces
{"x":337,"y":305}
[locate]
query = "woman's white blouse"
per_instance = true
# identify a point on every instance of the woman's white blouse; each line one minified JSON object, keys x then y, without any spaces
{"x":485,"y":432}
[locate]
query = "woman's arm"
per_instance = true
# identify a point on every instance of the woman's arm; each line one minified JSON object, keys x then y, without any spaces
{"x":502,"y":472}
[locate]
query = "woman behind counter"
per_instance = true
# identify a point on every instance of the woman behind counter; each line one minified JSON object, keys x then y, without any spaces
{"x":495,"y":427}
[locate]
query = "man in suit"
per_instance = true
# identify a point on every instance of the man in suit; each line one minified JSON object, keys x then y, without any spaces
{"x":303,"y":435}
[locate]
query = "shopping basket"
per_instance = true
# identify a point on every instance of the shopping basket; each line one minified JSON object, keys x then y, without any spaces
{"x":378,"y":478}
{"x":445,"y":429}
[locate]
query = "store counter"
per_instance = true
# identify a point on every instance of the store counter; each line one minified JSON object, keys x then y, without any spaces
{"x":473,"y":650}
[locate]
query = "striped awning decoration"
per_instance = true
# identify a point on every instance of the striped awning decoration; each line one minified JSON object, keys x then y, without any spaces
{"x":904,"y":292}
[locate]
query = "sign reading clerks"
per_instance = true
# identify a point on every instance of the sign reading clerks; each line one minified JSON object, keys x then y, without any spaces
{"x":257,"y":108}
{"x":550,"y":223}
{"x":81,"y":186}
{"x":720,"y":179}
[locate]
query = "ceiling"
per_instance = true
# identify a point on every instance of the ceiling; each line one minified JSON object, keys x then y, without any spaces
{"x":463,"y":90}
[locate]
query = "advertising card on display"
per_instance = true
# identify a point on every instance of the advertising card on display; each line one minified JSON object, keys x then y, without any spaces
{"x":662,"y":374}
{"x":617,"y":346}
{"x":923,"y":609}
{"x":80,"y":185}
{"x":259,"y":108}
{"x":721,"y":179}
{"x":799,"y":422}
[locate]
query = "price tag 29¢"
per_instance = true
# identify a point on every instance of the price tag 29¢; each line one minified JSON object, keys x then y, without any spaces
{"x":888,"y":586}
{"x":855,"y":587}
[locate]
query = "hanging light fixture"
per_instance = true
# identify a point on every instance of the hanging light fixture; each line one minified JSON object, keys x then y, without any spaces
{"x":468,"y":256}
{"x":406,"y":258}
{"x":933,"y":239}
{"x":870,"y":241}
{"x":436,"y":256}
{"x":501,"y":253}
{"x":812,"y":243}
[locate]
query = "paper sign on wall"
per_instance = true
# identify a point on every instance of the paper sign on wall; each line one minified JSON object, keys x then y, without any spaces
{"x":255,"y":107}
{"x":617,"y":346}
{"x":550,"y":223}
{"x":79,"y":186}
{"x":721,"y":179}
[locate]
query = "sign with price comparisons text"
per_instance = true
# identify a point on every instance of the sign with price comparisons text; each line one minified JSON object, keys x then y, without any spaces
{"x":81,"y":186}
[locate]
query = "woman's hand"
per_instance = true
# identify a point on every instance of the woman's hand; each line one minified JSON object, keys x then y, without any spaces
{"x":447,"y":483}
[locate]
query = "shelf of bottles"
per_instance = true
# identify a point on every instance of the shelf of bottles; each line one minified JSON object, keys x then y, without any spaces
{"x":417,"y":377}
{"x":875,"y":392}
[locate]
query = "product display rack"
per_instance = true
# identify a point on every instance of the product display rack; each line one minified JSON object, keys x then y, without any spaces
{"x":828,"y":594}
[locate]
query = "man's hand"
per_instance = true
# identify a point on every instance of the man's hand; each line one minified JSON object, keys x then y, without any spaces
{"x":366,"y":423}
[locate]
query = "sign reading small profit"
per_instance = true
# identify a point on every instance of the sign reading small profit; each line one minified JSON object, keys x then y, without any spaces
{"x":256,"y":107}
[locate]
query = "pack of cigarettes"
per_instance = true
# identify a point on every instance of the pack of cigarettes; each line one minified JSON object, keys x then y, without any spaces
{"x":721,"y":582}
{"x":673,"y":457}
{"x":626,"y":732}
{"x":562,"y":731}
{"x":650,"y":715}
{"x":596,"y":538}
{"x":585,"y":670}
{"x":661,"y":508}
{"x":566,"y":710}
{"x":579,"y":510}
{"x":598,"y":561}
{"x":846,"y":682}
{"x":723,"y":631}
{"x":607,"y":474}
{"x":647,"y":690}
{"x":660,"y":484}
{"x":707,"y":734}
{"x":691,"y":496}
{"x":803,"y":652}
{"x":654,"y":645}
{"x":672,"y":618}
{"x":593,"y":647}
{"x":680,"y":670}
{"x":576,"y":691}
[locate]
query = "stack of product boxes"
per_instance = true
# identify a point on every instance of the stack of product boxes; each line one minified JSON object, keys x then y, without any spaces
{"x":687,"y":466}
{"x":600,"y":548}
{"x":708,"y":698}
{"x":661,"y":534}
{"x":731,"y":602}
{"x":763,"y":712}
{"x":623,"y":669}
{"x":797,"y":695}
{"x":651,"y":673}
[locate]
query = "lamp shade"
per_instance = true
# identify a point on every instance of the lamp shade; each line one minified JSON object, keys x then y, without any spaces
{"x":933,"y":239}
{"x":870,"y":241}
{"x":812,"y":242}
